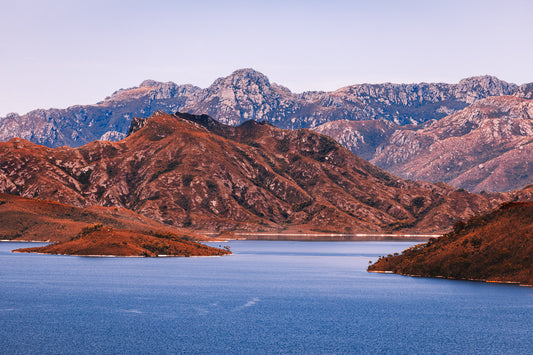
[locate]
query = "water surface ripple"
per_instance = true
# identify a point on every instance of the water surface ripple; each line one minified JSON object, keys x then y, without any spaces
{"x":269,"y":297}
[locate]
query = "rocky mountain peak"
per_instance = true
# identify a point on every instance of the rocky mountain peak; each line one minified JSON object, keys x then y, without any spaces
{"x":524,"y":91}
{"x":243,"y":95}
{"x":250,"y":74}
{"x":242,"y":79}
{"x":136,"y":124}
{"x":484,"y":80}
{"x":149,"y":83}
{"x":478,"y":87}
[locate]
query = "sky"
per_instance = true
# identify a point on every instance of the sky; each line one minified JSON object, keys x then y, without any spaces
{"x":58,"y":53}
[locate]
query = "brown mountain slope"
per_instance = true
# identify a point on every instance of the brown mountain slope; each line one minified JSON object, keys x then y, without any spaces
{"x":40,"y":220}
{"x":192,"y":171}
{"x":497,"y":247}
{"x":101,"y":240}
{"x":486,"y":146}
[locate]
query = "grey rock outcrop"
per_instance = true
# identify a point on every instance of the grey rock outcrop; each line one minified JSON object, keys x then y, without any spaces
{"x":112,"y":136}
{"x":525,"y":91}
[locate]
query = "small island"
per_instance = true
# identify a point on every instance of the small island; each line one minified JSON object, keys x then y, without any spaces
{"x":494,"y":247}
{"x":99,"y":240}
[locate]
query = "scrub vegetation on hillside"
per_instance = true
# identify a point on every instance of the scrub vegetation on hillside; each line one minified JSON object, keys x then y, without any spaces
{"x":497,"y":246}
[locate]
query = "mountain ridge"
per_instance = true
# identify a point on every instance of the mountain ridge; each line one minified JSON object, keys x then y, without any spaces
{"x":193,"y":171}
{"x":247,"y":94}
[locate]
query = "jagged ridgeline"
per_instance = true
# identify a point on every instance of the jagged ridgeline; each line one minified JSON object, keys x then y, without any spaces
{"x":247,"y":94}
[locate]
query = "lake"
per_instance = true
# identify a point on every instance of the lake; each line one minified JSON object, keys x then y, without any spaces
{"x":269,"y":297}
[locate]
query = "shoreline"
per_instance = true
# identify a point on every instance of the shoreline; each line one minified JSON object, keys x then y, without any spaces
{"x":24,"y":241}
{"x":503,"y":282}
{"x":356,"y":237}
{"x":120,"y":256}
{"x":322,"y":237}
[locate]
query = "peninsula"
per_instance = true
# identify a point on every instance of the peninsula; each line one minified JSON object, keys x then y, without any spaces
{"x":493,"y":247}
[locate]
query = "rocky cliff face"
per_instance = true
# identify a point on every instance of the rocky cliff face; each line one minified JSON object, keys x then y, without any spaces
{"x":192,"y":171}
{"x":247,"y":94}
{"x":486,"y":146}
{"x":524,"y":91}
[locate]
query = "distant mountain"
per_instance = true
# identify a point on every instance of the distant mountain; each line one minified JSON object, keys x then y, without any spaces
{"x":486,"y":146}
{"x":192,"y":171}
{"x":496,"y":247}
{"x":109,"y":119}
{"x":247,"y":94}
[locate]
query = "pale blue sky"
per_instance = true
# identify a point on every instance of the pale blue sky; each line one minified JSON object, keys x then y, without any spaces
{"x":57,"y":53}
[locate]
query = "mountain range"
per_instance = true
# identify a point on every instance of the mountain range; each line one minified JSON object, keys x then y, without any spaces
{"x":193,"y":171}
{"x":247,"y":94}
{"x":487,"y":146}
{"x":395,"y":126}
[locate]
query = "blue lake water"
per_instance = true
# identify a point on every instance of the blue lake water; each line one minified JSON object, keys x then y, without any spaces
{"x":267,"y":298}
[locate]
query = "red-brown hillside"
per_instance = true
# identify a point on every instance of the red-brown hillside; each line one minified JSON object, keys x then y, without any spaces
{"x":40,"y":220}
{"x":496,"y":247}
{"x":192,"y":171}
{"x":105,"y":241}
